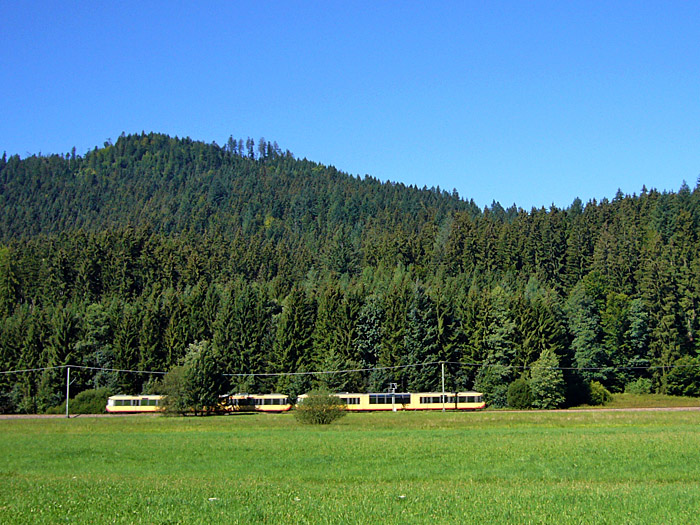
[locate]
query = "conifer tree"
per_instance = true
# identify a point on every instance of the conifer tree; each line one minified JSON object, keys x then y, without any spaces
{"x":293,"y":341}
{"x":547,"y":381}
{"x":394,"y":328}
{"x":584,"y":325}
{"x":126,"y":348}
{"x":422,"y":343}
{"x":9,"y":282}
{"x":251,"y":338}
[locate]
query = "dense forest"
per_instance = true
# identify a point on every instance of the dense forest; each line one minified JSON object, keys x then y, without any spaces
{"x":124,"y":257}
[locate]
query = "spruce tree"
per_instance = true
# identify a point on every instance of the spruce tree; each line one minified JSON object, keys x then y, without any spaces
{"x":547,"y":381}
{"x":422,"y":343}
{"x":292,"y":347}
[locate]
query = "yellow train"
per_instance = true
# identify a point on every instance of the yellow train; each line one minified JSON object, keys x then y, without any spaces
{"x":255,"y":403}
{"x":228,"y":403}
{"x":280,"y":403}
{"x":134,"y":404}
{"x":410,"y":401}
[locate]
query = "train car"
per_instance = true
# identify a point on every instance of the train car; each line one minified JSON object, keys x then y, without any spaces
{"x":134,"y":404}
{"x":450,"y":401}
{"x":256,"y":403}
{"x":375,"y":402}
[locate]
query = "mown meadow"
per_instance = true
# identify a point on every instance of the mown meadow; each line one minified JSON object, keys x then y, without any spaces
{"x":486,"y":467}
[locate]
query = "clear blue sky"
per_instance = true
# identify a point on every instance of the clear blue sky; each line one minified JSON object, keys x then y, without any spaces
{"x":528,"y":102}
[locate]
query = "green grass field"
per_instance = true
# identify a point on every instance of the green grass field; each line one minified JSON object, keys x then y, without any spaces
{"x":650,"y":401}
{"x":584,"y":467}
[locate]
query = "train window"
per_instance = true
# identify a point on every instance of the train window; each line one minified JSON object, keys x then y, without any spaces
{"x":388,"y":399}
{"x":351,"y":400}
{"x":462,"y":399}
{"x":380,"y":399}
{"x":403,"y":399}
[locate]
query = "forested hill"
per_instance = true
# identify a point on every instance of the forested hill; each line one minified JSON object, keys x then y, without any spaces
{"x":177,"y":185}
{"x":125,"y":256}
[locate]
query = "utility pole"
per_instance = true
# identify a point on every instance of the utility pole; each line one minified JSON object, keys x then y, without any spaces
{"x":67,"y":388}
{"x":443,"y":386}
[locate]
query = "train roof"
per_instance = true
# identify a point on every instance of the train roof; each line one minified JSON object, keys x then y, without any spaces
{"x":447,"y":393}
{"x":268,"y":396}
{"x":135,"y":396}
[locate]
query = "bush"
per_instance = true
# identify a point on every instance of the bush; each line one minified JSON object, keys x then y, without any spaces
{"x":319,"y":408}
{"x":519,"y":394}
{"x":87,"y":402}
{"x":7,"y":405}
{"x":599,"y":395}
{"x":640,"y":386}
{"x":493,"y":382}
{"x":195,"y":385}
{"x":174,"y":389}
{"x":684,"y":378}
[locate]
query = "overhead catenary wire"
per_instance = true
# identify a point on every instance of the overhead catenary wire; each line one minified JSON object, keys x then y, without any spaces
{"x":356,"y":370}
{"x":82,"y":367}
{"x":592,"y":368}
{"x":31,"y":370}
{"x":322,"y":372}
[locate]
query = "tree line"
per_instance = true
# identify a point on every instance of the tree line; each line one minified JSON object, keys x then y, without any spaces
{"x":126,"y":256}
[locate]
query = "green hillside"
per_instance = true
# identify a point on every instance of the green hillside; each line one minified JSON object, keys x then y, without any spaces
{"x":123,"y":257}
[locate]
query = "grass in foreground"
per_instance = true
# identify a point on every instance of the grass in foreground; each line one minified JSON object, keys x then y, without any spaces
{"x":367,"y":468}
{"x":651,"y":401}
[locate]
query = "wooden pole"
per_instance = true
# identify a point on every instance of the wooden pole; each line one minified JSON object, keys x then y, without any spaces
{"x":67,"y":388}
{"x":443,"y":386}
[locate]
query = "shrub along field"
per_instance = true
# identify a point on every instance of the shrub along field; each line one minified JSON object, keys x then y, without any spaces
{"x":591,"y":466}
